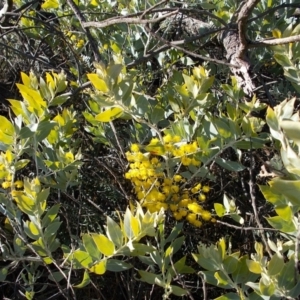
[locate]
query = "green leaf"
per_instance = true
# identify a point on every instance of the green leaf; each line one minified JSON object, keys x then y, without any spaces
{"x":221,"y":278}
{"x":58,"y":100}
{"x":242,"y":273}
{"x":229,"y":296}
{"x":205,"y":5}
{"x":41,"y":199}
{"x":82,"y":259}
{"x":283,"y":60}
{"x":174,"y":233}
{"x":44,"y":129}
{"x":266,"y":286}
{"x":21,"y":164}
{"x":222,"y":127}
{"x":114,"y":71}
{"x":205,"y":263}
{"x":286,"y":278}
{"x":210,"y":278}
{"x":281,"y":224}
{"x":157,"y":115}
{"x":254,"y":266}
{"x":284,"y":212}
{"x":51,"y":229}
{"x":230,"y":264}
{"x":115,"y":265}
{"x":85,"y":281}
{"x":180,"y":268}
{"x":19,"y":246}
{"x":25,"y":204}
{"x":149,"y":277}
{"x":50,"y":215}
{"x":230,"y":165}
{"x":114,"y":232}
{"x":58,"y":276}
{"x":3,"y":273}
{"x":91,"y":247}
{"x":137,"y":249}
{"x":178,"y":291}
{"x":191,"y":85}
{"x":273,"y":197}
{"x":103,"y":244}
{"x":289,"y":188}
{"x":39,"y":247}
{"x":275,"y":265}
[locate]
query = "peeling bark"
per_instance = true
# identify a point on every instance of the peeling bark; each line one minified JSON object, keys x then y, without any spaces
{"x":231,"y":42}
{"x":229,"y":39}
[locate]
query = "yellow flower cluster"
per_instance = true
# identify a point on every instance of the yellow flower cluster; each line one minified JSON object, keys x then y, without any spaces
{"x":7,"y":183}
{"x":155,"y":190}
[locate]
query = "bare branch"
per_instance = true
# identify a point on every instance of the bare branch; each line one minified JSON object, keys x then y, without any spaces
{"x":189,"y":52}
{"x":274,"y":42}
{"x":147,"y":11}
{"x":253,"y":202}
{"x":242,"y":26}
{"x":113,"y":21}
{"x":170,"y":45}
{"x":124,"y":19}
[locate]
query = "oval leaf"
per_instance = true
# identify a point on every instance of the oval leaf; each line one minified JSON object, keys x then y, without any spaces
{"x":109,"y":115}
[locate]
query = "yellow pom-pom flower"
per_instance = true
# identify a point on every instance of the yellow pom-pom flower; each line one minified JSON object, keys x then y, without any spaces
{"x":206,"y":215}
{"x":202,"y":197}
{"x":135,"y":148}
{"x":191,"y":218}
{"x":6,"y":184}
{"x":19,"y":184}
{"x":197,"y":223}
{"x":205,"y":189}
{"x":195,"y":208}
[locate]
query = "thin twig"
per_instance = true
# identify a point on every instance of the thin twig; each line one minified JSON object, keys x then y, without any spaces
{"x":204,"y":296}
{"x":189,"y":52}
{"x":245,"y":228}
{"x":117,"y":138}
{"x":180,"y":280}
{"x":147,"y":11}
{"x":253,"y":201}
{"x":274,"y":42}
{"x":272,"y":10}
{"x":89,"y":36}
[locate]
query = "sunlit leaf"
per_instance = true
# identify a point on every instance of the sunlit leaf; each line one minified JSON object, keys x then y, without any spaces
{"x":109,"y":115}
{"x":99,"y":268}
{"x":98,"y":83}
{"x":103,"y":244}
{"x":50,"y":4}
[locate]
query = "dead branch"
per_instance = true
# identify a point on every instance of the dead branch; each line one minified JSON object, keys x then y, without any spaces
{"x":114,"y":21}
{"x":274,"y":42}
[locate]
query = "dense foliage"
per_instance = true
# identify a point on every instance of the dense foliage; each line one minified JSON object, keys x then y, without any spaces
{"x":149,"y":150}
